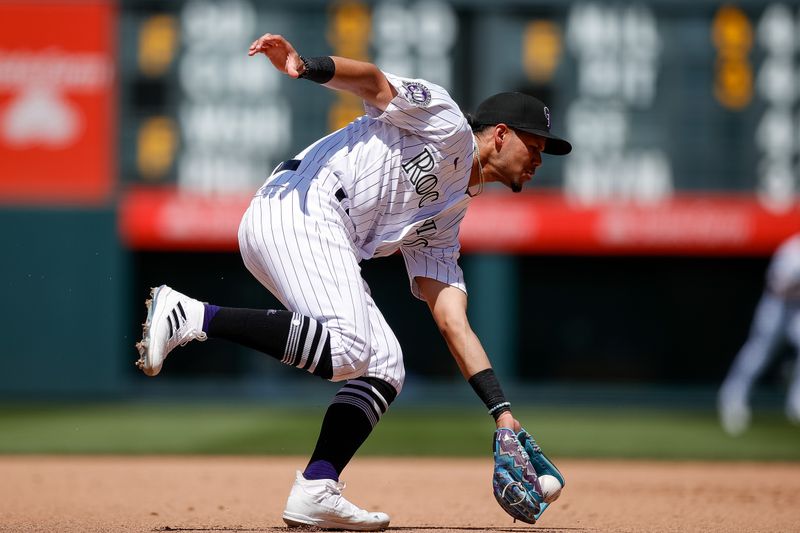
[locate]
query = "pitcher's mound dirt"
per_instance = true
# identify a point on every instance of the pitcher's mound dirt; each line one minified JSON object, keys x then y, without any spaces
{"x":87,"y":494}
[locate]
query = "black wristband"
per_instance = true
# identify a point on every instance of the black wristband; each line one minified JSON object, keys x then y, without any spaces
{"x":487,"y":387}
{"x":318,"y":69}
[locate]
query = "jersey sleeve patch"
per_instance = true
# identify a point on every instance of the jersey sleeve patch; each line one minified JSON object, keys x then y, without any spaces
{"x":422,"y":108}
{"x":417,"y":93}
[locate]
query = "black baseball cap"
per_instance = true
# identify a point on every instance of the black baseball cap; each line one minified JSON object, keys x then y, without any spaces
{"x":521,"y":112}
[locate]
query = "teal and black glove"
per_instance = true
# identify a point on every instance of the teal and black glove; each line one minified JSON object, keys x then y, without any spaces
{"x":543,"y":467}
{"x":515,"y":484}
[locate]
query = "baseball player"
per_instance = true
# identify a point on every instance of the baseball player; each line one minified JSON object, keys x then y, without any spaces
{"x":399,"y":178}
{"x":777,"y":317}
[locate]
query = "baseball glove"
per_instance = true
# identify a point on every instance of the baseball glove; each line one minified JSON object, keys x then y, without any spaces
{"x":515,"y":484}
{"x":541,"y":464}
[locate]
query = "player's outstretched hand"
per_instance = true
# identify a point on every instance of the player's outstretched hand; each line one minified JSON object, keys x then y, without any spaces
{"x":280,"y":52}
{"x":507,"y":420}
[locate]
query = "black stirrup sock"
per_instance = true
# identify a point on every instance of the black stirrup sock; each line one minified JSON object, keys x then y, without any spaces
{"x":291,"y":338}
{"x":352,"y":414}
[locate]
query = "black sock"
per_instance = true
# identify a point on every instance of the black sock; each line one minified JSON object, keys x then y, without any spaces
{"x":352,"y":414}
{"x":291,"y":338}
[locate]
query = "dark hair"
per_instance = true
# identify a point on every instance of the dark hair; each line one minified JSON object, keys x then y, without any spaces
{"x":476,"y":128}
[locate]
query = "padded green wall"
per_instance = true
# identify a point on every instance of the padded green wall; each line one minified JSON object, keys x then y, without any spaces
{"x":62,"y":275}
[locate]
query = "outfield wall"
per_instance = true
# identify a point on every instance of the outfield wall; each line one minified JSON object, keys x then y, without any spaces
{"x":129,"y":148}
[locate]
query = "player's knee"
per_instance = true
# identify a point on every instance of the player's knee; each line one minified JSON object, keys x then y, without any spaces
{"x":348,"y":369}
{"x":399,"y":378}
{"x":359,"y":366}
{"x":358,"y":355}
{"x":390,"y":370}
{"x":395,"y":368}
{"x":350,"y":357}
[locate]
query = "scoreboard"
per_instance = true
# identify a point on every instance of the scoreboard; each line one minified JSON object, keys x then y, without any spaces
{"x":684,"y":116}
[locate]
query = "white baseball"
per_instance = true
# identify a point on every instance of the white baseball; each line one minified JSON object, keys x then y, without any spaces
{"x":551,"y":488}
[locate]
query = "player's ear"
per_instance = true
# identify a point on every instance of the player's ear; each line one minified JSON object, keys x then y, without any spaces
{"x":501,"y":132}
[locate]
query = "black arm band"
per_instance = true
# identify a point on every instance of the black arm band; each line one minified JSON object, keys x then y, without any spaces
{"x":318,"y":69}
{"x":486,"y":386}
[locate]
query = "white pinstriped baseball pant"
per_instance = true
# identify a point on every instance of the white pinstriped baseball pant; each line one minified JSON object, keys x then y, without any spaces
{"x":296,"y":239}
{"x":774,"y":319}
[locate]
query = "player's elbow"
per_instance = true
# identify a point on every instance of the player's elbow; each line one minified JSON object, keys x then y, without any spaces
{"x":453,"y":325}
{"x":375,"y":89}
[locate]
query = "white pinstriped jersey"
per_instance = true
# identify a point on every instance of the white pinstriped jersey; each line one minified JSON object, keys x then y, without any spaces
{"x":783,"y":276}
{"x":405,"y":173}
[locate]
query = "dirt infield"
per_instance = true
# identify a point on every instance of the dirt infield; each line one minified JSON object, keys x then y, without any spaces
{"x":83,"y":494}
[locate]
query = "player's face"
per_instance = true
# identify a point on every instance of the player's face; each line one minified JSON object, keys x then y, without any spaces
{"x":521,"y":156}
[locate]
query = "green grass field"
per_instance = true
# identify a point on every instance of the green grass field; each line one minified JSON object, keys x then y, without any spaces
{"x":249,"y":429}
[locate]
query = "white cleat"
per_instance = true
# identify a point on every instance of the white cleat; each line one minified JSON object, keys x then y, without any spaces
{"x":320,"y":503}
{"x":733,"y":407}
{"x":735,"y":419}
{"x":734,"y":415}
{"x":793,"y":411}
{"x":173,"y":319}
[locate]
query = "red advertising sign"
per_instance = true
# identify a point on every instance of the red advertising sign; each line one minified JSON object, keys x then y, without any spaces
{"x":56,"y":102}
{"x":541,"y":222}
{"x":709,"y":224}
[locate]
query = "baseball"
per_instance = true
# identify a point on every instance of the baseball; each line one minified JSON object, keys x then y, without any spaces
{"x":551,"y":488}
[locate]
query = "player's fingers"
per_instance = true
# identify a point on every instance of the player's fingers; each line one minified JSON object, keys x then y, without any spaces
{"x":261,"y":44}
{"x":269,"y":39}
{"x":255,"y":47}
{"x":280,"y":42}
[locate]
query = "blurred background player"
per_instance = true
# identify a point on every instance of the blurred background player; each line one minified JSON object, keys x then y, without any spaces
{"x":777,"y":318}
